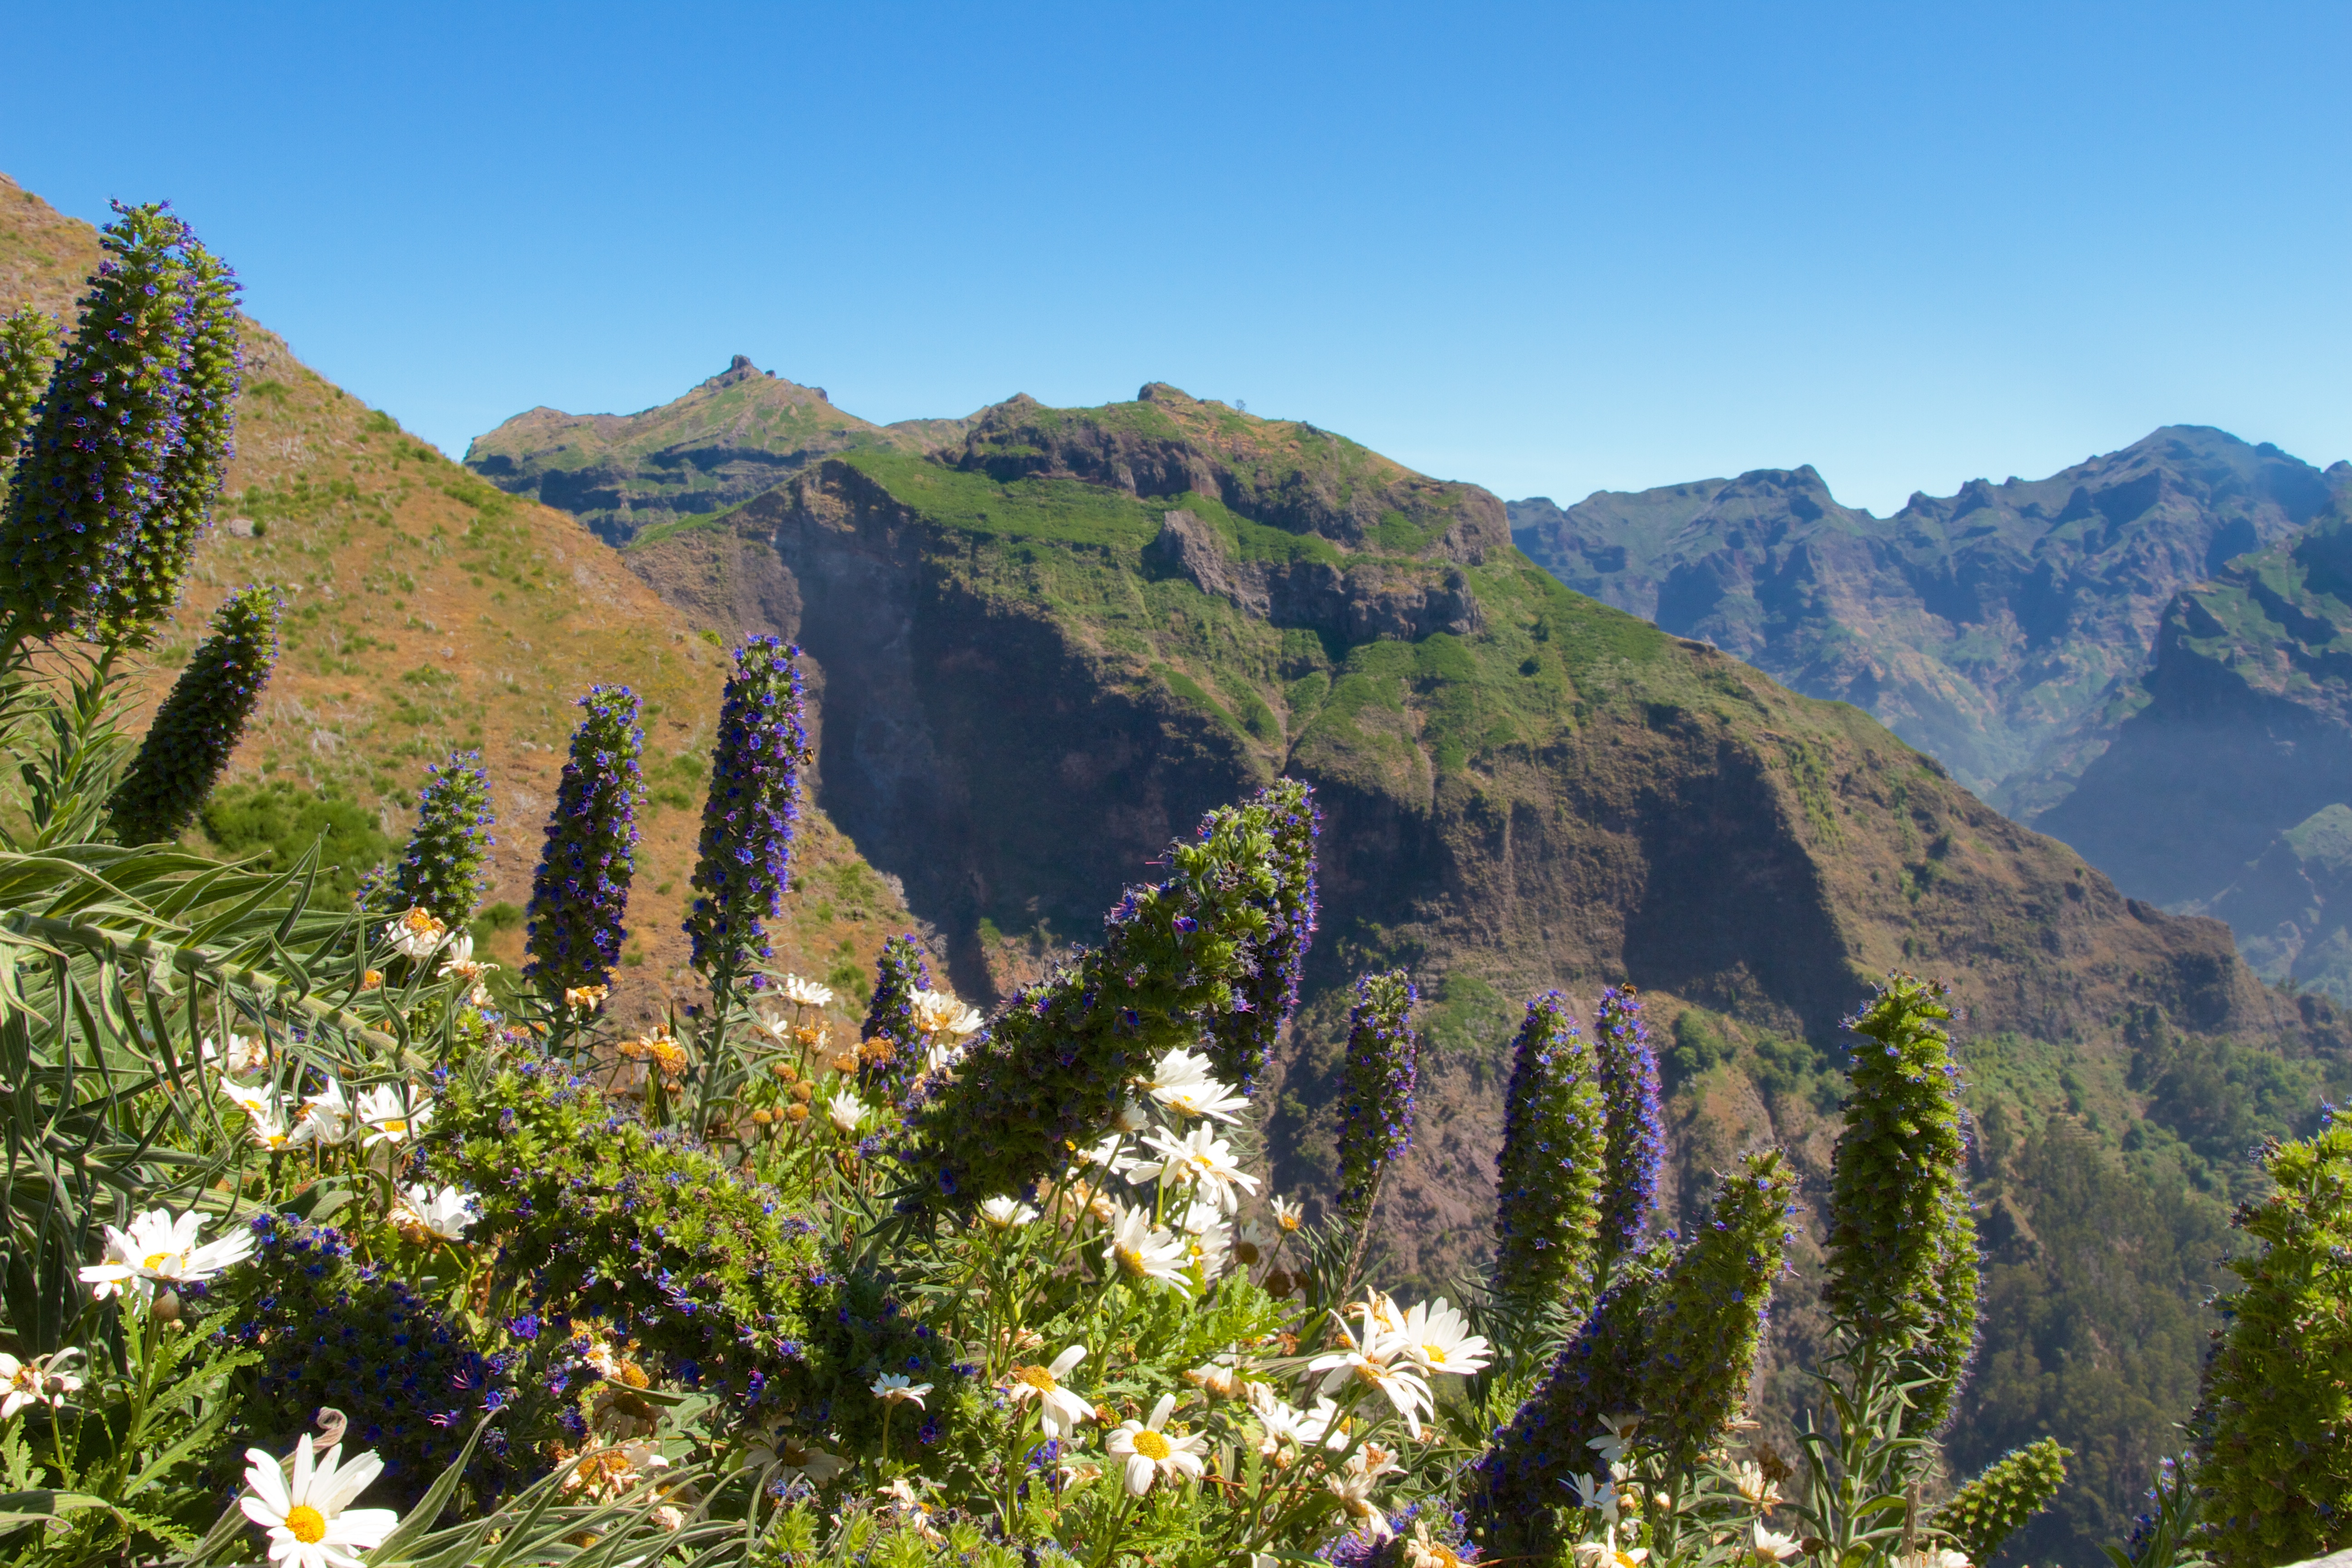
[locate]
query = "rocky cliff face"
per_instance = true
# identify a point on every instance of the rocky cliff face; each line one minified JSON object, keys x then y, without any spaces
{"x":1987,"y":627}
{"x":2226,"y":781}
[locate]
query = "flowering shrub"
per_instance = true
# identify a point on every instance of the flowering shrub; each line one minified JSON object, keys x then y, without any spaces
{"x":580,"y":892}
{"x":1556,"y":1140}
{"x":1376,"y":1078}
{"x":447,"y":868}
{"x":198,"y":726}
{"x":754,"y":801}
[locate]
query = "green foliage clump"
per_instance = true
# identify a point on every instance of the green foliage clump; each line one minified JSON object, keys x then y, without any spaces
{"x":198,"y":726}
{"x":1991,"y":1509}
{"x":276,"y":822}
{"x":1054,"y":1064}
{"x":2273,"y":1430}
{"x":1707,"y":1316}
{"x":28,"y":346}
{"x":641,"y":1229}
{"x":447,"y":866}
{"x":1902,"y":1236}
{"x":1548,"y":1173}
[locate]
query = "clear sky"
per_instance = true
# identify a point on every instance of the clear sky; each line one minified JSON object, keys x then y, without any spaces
{"x":1548,"y":249}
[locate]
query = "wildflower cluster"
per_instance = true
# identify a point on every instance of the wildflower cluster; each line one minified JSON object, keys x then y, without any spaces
{"x":2272,"y":1432}
{"x":1376,"y":1082}
{"x":581,"y":891}
{"x":28,"y":346}
{"x":1047,"y":1071}
{"x":199,"y":724}
{"x":130,"y":441}
{"x":1628,"y":1070}
{"x":446,"y":869}
{"x":1902,"y":1236}
{"x":891,"y":1057}
{"x":1548,"y":1173}
{"x":748,"y":819}
{"x":1241,"y":1041}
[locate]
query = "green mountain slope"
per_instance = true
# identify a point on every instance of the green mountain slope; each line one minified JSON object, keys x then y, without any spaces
{"x":428,"y":612}
{"x":1041,"y":651}
{"x":722,"y":443}
{"x":2242,"y":727}
{"x":1990,"y":627}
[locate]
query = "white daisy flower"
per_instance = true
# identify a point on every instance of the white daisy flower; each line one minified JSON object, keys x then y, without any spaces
{"x":326,"y":1116}
{"x":389,"y":1118}
{"x":41,"y":1381}
{"x":1438,"y":1339}
{"x":847,"y":1111}
{"x":446,"y":1213}
{"x":1141,"y":1251}
{"x":1059,"y":1411}
{"x":1771,"y":1546}
{"x":1183,"y":1082}
{"x":938,"y":1013}
{"x":311,"y":1521}
{"x":1152,"y":1452}
{"x":1006,"y":1214}
{"x":419,"y":935}
{"x":894,"y":1388}
{"x":1199,"y":1159}
{"x":158,"y":1249}
{"x":245,"y":1054}
{"x":1367,"y":1360}
{"x":1109,"y":1151}
{"x":794,"y":1458}
{"x":1131,"y":1117}
{"x":1288,"y":1214}
{"x":807,"y":993}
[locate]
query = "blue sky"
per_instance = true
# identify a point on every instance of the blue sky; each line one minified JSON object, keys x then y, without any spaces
{"x":1547,"y":249}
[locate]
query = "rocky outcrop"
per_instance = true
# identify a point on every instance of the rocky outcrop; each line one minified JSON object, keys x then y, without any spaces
{"x":1360,"y":603}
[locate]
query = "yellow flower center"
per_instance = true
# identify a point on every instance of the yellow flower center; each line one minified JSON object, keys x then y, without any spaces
{"x":1129,"y":1259}
{"x":1434,"y":1354}
{"x":1152,"y":1445}
{"x":306,"y":1524}
{"x":394,"y":1128}
{"x":1037,"y":1377}
{"x":160,"y":1262}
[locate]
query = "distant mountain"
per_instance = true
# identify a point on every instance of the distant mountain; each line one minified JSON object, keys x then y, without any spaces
{"x":735,"y":434}
{"x":2221,"y":780}
{"x":1990,"y":628}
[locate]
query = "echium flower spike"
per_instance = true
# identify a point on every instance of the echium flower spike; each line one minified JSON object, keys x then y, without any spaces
{"x":1983,"y":1515}
{"x":104,"y":460}
{"x":579,"y":894}
{"x":189,"y":741}
{"x":1547,"y":1173}
{"x":1637,"y":1141}
{"x":1240,"y":1042}
{"x":1376,"y":1083}
{"x":751,"y":815}
{"x":1548,"y":1440}
{"x":892,"y":1051}
{"x":28,"y":347}
{"x":447,"y":869}
{"x":1902,"y":1236}
{"x":146,"y":566}
{"x":1057,"y":1061}
{"x":1707,"y":1315}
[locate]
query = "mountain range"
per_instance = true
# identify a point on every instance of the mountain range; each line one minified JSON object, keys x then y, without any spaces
{"x":1042,"y":640}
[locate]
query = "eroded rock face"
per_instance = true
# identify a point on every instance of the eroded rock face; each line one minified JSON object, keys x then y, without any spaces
{"x":1361,"y":602}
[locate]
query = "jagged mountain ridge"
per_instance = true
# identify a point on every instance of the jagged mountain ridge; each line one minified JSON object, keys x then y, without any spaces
{"x":2242,"y":727}
{"x":1041,"y":652}
{"x":1987,"y":627}
{"x":725,"y":441}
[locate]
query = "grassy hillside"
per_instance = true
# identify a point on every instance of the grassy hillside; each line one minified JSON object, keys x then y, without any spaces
{"x":425,"y":611}
{"x":1042,"y":653}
